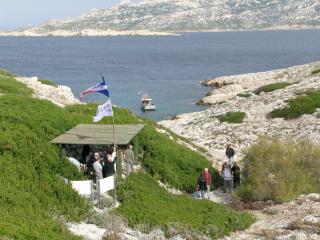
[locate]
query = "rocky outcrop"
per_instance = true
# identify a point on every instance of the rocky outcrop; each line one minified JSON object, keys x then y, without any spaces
{"x":60,"y":95}
{"x":228,"y":87}
{"x":298,"y":219}
{"x":156,"y":16}
{"x":204,"y":129}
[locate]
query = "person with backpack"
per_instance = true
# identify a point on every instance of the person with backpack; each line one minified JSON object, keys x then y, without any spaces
{"x":227,"y":177}
{"x":202,"y":184}
{"x":230,"y":153}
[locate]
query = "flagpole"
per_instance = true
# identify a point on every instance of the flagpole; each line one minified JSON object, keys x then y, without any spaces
{"x":114,"y":146}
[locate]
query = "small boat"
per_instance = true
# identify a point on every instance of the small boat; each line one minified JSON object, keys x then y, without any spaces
{"x":146,"y":103}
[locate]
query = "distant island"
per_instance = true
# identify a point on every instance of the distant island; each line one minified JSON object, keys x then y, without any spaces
{"x":165,"y":17}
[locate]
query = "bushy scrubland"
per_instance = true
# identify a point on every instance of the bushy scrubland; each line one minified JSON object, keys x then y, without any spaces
{"x":145,"y":203}
{"x":232,"y":117}
{"x":306,"y":104}
{"x":34,"y":200}
{"x":272,"y":87}
{"x":173,"y":164}
{"x":8,"y":85}
{"x":280,"y":170}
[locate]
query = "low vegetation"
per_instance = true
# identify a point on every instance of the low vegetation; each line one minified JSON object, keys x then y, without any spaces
{"x":48,"y":82}
{"x":171,"y":163}
{"x":32,"y":196}
{"x":9,"y":85}
{"x":306,"y":104}
{"x":244,"y":95}
{"x":34,"y":199}
{"x":232,"y":117}
{"x":145,"y":203}
{"x":280,"y":170}
{"x":272,"y":87}
{"x":316,"y":71}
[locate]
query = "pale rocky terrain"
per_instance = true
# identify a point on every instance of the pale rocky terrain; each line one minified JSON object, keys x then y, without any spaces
{"x":154,"y":17}
{"x":60,"y":95}
{"x":205,"y":130}
{"x":296,"y":220}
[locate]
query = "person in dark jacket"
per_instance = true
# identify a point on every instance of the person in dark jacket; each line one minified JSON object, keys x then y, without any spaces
{"x":230,"y":153}
{"x":236,"y":174}
{"x":202,"y":184}
{"x":111,"y":163}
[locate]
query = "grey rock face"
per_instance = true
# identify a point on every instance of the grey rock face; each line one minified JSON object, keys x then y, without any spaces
{"x":189,"y":15}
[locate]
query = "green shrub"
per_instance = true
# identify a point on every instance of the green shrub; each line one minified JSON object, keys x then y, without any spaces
{"x":48,"y":82}
{"x":244,"y":95}
{"x":280,"y":171}
{"x":306,"y":104}
{"x":172,"y":163}
{"x":232,"y":117}
{"x":9,"y":85}
{"x":5,"y":73}
{"x":144,"y":202}
{"x":316,"y":71}
{"x":272,"y":87}
{"x":31,"y":192}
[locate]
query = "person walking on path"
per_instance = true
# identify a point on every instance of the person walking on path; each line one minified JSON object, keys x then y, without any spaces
{"x":202,"y":184}
{"x":207,"y":175}
{"x":129,"y":159}
{"x":235,"y":174}
{"x":97,"y":167}
{"x":227,"y":177}
{"x":230,"y":153}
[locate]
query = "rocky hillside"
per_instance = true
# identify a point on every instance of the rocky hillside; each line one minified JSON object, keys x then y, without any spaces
{"x":159,"y":16}
{"x":239,"y":94}
{"x":298,"y":219}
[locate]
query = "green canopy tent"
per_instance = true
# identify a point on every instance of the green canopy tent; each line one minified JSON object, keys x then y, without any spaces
{"x":101,"y":134}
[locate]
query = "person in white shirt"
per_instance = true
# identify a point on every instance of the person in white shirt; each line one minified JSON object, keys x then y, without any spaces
{"x":97,"y":167}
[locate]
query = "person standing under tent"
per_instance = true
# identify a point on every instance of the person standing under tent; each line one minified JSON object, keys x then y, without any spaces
{"x":111,"y":162}
{"x":129,"y":159}
{"x":97,"y":167}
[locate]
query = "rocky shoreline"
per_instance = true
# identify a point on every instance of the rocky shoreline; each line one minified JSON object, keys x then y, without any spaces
{"x":204,"y":129}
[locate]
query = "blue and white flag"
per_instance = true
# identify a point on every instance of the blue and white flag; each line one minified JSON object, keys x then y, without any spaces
{"x":99,"y":88}
{"x":104,"y":110}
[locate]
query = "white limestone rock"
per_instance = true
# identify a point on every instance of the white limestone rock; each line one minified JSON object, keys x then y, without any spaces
{"x":60,"y":95}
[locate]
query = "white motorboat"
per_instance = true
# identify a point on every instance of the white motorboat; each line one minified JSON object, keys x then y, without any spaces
{"x":146,"y":103}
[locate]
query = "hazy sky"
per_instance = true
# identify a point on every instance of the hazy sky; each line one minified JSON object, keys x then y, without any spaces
{"x":17,"y":13}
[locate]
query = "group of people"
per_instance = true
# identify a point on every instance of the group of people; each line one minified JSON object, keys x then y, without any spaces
{"x":107,"y":167}
{"x":230,"y":173}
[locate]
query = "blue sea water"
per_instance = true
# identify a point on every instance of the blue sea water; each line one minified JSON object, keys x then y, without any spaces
{"x":169,"y":68}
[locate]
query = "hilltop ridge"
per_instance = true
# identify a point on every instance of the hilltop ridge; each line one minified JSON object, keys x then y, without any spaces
{"x":150,"y":17}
